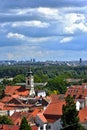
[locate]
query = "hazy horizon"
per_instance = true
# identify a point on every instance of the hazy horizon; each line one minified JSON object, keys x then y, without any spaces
{"x":43,"y":29}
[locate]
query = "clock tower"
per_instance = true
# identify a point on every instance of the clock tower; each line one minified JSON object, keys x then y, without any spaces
{"x":30,"y":83}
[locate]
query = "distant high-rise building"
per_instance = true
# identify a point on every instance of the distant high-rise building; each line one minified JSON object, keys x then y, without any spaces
{"x":33,"y":59}
{"x":80,"y":61}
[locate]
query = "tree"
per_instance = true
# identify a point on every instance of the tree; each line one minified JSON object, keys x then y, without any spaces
{"x":24,"y":124}
{"x":70,"y":117}
{"x":19,"y":78}
{"x":5,"y":120}
{"x":57,"y":83}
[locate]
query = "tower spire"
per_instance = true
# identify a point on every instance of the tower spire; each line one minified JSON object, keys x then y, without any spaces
{"x":30,"y":83}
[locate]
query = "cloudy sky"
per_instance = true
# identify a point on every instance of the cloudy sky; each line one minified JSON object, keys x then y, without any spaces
{"x":43,"y":29}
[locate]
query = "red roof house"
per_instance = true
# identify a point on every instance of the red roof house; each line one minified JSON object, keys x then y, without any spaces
{"x":83,"y":115}
{"x":9,"y":127}
{"x":78,"y":92}
{"x":16,"y":90}
{"x":54,"y":111}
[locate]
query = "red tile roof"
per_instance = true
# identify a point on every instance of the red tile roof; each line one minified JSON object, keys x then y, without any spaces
{"x":42,"y":117}
{"x":54,"y":108}
{"x":77,"y":92}
{"x":16,"y":90}
{"x":55,"y":98}
{"x":34,"y":127}
{"x":11,"y":103}
{"x":15,"y":127}
{"x":35,"y":112}
{"x":6,"y":99}
{"x":1,"y":105}
{"x":9,"y":127}
{"x":17,"y":117}
{"x":83,"y":115}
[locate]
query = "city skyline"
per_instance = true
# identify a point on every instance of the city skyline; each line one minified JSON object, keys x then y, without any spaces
{"x":44,"y":30}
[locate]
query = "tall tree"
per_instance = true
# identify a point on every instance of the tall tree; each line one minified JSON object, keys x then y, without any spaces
{"x":70,"y":117}
{"x":57,"y":83}
{"x":5,"y":120}
{"x":24,"y":124}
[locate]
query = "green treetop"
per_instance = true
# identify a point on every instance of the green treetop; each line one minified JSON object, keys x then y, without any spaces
{"x":24,"y":124}
{"x":70,"y":117}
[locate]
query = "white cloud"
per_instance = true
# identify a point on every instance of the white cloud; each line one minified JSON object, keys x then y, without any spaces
{"x":22,"y":11}
{"x":40,"y":10}
{"x":18,"y":12}
{"x":29,"y":39}
{"x":66,"y":39}
{"x":49,"y":13}
{"x":74,"y":27}
{"x":33,"y":23}
{"x":15,"y":35}
{"x":30,"y":24}
{"x":28,"y":52}
{"x":75,"y":22}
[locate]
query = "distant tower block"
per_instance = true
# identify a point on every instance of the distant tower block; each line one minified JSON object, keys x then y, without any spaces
{"x":80,"y":61}
{"x":30,"y":83}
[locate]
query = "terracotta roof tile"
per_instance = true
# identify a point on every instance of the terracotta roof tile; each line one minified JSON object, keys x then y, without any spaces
{"x":34,"y":127}
{"x":54,"y":108}
{"x":83,"y":115}
{"x":35,"y":112}
{"x":1,"y":105}
{"x":14,"y":127}
{"x":16,"y":90}
{"x":6,"y":99}
{"x":42,"y":117}
{"x":8,"y":108}
{"x":9,"y":127}
{"x":17,"y":117}
{"x":77,"y":92}
{"x":55,"y":98}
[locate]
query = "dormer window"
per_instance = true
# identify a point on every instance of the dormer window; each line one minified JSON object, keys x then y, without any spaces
{"x":80,"y":96}
{"x":74,"y":96}
{"x":75,"y":91}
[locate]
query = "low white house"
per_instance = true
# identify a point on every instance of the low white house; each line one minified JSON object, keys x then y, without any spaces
{"x":45,"y":125}
{"x":51,"y":126}
{"x":78,"y":105}
{"x":41,"y":93}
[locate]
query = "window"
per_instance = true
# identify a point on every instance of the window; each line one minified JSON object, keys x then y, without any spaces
{"x":48,"y":127}
{"x":74,"y":96}
{"x":80,"y":96}
{"x":41,"y":128}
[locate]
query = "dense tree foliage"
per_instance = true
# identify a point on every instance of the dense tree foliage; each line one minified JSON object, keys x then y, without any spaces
{"x":24,"y":125}
{"x":49,"y":70}
{"x":19,"y":79}
{"x":57,"y":83}
{"x":5,"y":120}
{"x":55,"y":75}
{"x":70,"y":117}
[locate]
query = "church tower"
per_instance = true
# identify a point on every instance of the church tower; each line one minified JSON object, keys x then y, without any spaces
{"x":30,"y":83}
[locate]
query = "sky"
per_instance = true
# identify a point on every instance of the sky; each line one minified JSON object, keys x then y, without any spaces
{"x":43,"y":29}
